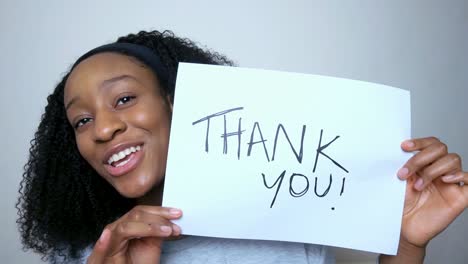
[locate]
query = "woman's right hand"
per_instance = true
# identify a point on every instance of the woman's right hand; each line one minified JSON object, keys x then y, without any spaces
{"x":136,"y":237}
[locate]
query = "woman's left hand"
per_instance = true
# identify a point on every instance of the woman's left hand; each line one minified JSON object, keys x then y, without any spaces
{"x":434,"y":195}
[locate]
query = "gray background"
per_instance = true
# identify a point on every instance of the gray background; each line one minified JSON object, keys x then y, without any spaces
{"x":415,"y":45}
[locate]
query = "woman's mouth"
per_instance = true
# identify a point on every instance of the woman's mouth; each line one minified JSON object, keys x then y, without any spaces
{"x":124,"y":161}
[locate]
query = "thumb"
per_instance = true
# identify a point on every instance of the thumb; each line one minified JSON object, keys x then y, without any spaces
{"x":100,"y":249}
{"x":411,"y":195}
{"x":156,"y":245}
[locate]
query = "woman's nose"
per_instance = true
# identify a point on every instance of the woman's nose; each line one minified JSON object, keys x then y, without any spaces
{"x":107,"y":125}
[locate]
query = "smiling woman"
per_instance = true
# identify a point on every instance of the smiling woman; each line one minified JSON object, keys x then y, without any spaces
{"x":119,"y":114}
{"x":107,"y":121}
{"x":93,"y":183}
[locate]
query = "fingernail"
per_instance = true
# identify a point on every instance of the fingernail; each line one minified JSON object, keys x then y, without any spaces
{"x":419,"y":184}
{"x":175,"y":212}
{"x":402,"y":173}
{"x":104,"y":236}
{"x":408,"y":143}
{"x":176,"y":229}
{"x":451,"y":178}
{"x":166,"y":229}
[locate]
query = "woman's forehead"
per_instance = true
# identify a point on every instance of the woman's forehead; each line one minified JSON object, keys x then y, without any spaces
{"x":104,"y":66}
{"x":106,"y":63}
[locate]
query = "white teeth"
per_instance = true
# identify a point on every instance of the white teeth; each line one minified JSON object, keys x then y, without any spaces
{"x":122,"y":154}
{"x":122,"y":163}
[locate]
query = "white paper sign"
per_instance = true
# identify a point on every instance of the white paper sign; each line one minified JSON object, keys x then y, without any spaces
{"x":257,"y":154}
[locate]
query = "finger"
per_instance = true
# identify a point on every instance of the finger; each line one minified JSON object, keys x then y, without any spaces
{"x":150,"y":216}
{"x":144,"y":210}
{"x":176,"y":230}
{"x":465,"y":192}
{"x":425,"y":157}
{"x":418,"y":143}
{"x":132,"y":230}
{"x":137,"y":215}
{"x":458,"y":177}
{"x":126,"y":231}
{"x":100,"y":248}
{"x":449,"y":163}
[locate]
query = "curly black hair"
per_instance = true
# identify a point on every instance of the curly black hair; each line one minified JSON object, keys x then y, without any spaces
{"x":63,"y":203}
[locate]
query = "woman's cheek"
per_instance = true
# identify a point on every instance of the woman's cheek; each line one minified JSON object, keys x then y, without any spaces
{"x":84,"y":149}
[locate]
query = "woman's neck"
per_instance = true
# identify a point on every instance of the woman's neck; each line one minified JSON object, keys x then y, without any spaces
{"x":152,"y":197}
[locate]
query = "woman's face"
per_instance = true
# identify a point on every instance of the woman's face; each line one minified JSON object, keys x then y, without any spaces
{"x":121,"y":121}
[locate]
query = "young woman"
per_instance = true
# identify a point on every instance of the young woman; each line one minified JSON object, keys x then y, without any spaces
{"x":93,"y":183}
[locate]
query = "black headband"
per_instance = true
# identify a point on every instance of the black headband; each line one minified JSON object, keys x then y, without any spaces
{"x":142,"y":53}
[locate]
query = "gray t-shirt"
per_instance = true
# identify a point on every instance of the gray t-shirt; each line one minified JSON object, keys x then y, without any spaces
{"x":206,"y":250}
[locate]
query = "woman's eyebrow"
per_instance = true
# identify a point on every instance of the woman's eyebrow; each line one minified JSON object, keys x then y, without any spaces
{"x":103,"y":84}
{"x":116,"y":79}
{"x":72,"y":101}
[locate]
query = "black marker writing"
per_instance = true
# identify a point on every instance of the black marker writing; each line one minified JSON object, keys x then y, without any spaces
{"x":280,"y":179}
{"x":326,"y":190}
{"x":297,"y":193}
{"x":320,"y":151}
{"x":207,"y":119}
{"x":298,"y":156}
{"x":298,"y":183}
{"x":262,"y":140}
{"x":237,"y":133}
{"x":342,"y":186}
{"x":291,"y":189}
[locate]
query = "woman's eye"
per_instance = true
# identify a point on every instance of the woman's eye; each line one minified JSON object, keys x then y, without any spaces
{"x":82,"y":122}
{"x":125,"y":100}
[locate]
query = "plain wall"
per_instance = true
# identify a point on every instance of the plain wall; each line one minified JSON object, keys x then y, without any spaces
{"x":416,"y":45}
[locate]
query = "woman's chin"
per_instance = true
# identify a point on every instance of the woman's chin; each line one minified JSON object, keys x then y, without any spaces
{"x":145,"y":192}
{"x":133,"y":192}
